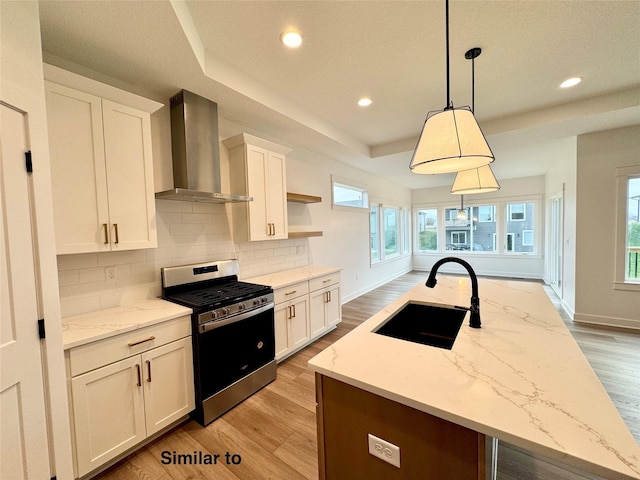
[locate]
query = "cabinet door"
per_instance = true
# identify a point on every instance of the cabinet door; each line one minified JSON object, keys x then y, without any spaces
{"x":281,"y":317}
{"x":168,"y":384}
{"x":127,"y":144}
{"x":78,"y":175}
{"x":298,"y":322}
{"x":333,"y":308}
{"x":108,"y":412}
{"x":317,"y":317}
{"x":257,"y":171}
{"x":277,"y":195}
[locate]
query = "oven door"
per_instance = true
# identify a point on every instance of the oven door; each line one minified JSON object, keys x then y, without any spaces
{"x":230,"y":349}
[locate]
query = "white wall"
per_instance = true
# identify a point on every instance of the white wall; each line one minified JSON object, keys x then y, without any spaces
{"x":561,"y":179}
{"x":499,"y":264}
{"x":599,"y":154}
{"x":345,"y":240}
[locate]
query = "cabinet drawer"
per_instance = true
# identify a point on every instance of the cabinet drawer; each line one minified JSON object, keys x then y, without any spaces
{"x":324,"y":281}
{"x":292,"y":291}
{"x":103,"y":352}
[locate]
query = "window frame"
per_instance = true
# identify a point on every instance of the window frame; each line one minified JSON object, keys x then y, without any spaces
{"x":403,"y":231}
{"x":623,"y":175}
{"x":349,"y":185}
{"x":497,"y":244}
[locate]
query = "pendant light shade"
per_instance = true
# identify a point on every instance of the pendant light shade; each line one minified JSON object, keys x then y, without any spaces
{"x":476,"y":180}
{"x":451,"y":141}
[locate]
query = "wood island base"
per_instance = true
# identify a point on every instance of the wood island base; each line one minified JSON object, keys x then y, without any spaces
{"x":430,"y":447}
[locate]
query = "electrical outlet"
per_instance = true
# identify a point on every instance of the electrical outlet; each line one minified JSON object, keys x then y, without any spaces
{"x":384,"y":450}
{"x":111,"y":273}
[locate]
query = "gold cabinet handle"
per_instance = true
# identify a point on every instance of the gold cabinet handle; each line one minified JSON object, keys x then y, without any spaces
{"x":294,"y":311}
{"x":291,"y":292}
{"x":139,"y":375}
{"x":290,"y":312}
{"x":329,"y":295}
{"x":326,"y":281}
{"x":115,"y":226}
{"x":274,"y":228}
{"x":106,"y":233}
{"x":149,"y":371}
{"x":133,"y":344}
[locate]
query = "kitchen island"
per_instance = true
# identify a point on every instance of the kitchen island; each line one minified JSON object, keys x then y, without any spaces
{"x":521,"y":378}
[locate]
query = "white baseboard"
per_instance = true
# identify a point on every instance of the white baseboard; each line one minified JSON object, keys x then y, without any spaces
{"x":606,"y":321}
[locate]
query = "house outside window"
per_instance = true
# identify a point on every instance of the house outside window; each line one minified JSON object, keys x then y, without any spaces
{"x":510,"y":227}
{"x":632,"y":257}
{"x":520,"y":227}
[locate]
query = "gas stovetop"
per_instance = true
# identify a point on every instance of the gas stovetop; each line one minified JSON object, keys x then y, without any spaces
{"x":212,"y":287}
{"x":218,"y":294}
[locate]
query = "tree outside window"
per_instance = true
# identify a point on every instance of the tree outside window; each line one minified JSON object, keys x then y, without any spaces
{"x":427,"y":228}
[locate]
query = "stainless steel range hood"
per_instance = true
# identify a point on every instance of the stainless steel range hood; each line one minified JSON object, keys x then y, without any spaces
{"x":196,"y":152}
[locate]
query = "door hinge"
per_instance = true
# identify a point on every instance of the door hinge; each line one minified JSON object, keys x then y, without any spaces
{"x":41,"y":332}
{"x":29,"y":163}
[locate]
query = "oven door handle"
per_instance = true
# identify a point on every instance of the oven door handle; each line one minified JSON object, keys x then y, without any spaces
{"x":236,"y":318}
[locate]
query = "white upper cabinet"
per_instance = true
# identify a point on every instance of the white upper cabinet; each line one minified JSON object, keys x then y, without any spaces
{"x":101,"y":170}
{"x":258,"y":169}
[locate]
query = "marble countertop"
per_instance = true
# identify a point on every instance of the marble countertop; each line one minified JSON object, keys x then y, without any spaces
{"x":295,"y":275}
{"x":520,"y":378}
{"x":89,"y":327}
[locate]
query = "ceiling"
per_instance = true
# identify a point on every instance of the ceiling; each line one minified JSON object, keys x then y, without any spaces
{"x":390,"y":51}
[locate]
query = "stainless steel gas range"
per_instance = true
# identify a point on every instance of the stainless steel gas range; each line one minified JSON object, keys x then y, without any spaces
{"x":233,"y":333}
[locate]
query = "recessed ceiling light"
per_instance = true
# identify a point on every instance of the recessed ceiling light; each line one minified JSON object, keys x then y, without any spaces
{"x":291,"y":39}
{"x":570,"y":82}
{"x":365,"y":102}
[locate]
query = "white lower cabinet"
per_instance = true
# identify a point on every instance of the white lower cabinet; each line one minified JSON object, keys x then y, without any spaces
{"x":324,"y":309}
{"x":291,"y":319}
{"x":305,"y":311}
{"x":117,"y":406}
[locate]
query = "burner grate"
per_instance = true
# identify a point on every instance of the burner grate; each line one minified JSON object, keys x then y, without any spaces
{"x":218,"y":294}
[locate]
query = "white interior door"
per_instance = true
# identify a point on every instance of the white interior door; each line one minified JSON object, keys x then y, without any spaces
{"x":23,"y":435}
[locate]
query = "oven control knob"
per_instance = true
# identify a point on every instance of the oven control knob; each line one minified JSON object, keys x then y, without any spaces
{"x":263,"y":300}
{"x":225,"y":311}
{"x":256,"y":302}
{"x":241,"y":306}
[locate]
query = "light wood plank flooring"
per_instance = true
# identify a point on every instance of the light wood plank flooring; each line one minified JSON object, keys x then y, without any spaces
{"x":274,"y":432}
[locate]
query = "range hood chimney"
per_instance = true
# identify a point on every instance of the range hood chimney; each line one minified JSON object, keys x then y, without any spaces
{"x":196,"y":151}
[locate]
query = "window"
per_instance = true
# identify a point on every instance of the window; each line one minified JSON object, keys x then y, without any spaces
{"x":520,"y":227}
{"x":506,"y":227}
{"x":389,"y":227}
{"x":373,"y":229}
{"x":458,"y":238}
{"x":516,"y":211}
{"x":391,"y":231}
{"x":627,"y":246}
{"x":346,"y":194}
{"x":427,"y":228}
{"x":527,"y":238}
{"x":486,"y":213}
{"x":632,"y":256}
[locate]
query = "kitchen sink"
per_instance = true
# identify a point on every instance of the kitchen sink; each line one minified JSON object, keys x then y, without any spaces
{"x":434,"y":325}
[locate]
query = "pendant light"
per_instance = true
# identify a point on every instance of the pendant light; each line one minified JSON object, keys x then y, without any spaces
{"x":475,"y":180}
{"x":451,"y":139}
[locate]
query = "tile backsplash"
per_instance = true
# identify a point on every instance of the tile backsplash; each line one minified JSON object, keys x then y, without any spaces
{"x":187,"y":233}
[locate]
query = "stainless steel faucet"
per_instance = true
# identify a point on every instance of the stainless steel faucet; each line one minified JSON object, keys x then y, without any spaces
{"x":474,"y":309}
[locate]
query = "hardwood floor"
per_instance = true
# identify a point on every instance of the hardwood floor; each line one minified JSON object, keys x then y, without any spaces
{"x":272,"y":435}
